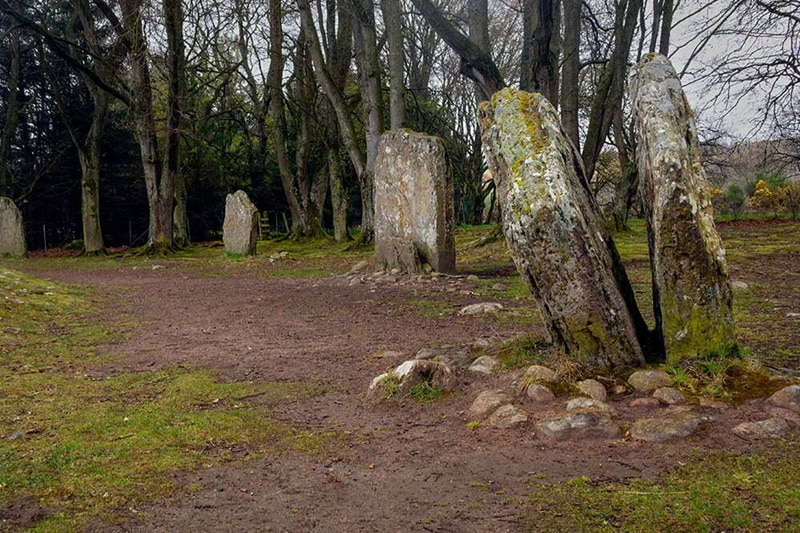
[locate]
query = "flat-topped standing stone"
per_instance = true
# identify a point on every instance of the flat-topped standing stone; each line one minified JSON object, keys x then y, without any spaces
{"x":240,"y":229}
{"x":414,"y":216}
{"x":12,"y":230}
{"x":691,"y":292}
{"x":557,"y":237}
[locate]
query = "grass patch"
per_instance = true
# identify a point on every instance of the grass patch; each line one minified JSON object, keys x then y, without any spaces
{"x":713,"y":492}
{"x":81,"y":446}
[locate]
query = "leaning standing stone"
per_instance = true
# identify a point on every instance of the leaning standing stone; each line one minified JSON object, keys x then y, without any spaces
{"x":691,"y":292}
{"x":12,"y":230}
{"x":558,"y":239}
{"x":240,"y":229}
{"x":414,"y":215}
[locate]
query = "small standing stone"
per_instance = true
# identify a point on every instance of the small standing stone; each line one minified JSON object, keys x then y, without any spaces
{"x":12,"y":230}
{"x":240,"y":228}
{"x":649,"y":380}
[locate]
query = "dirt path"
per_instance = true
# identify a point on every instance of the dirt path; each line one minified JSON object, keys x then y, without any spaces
{"x":407,"y":468}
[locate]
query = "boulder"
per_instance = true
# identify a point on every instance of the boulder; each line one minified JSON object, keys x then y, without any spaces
{"x":481,"y":308}
{"x":538,"y":374}
{"x":557,"y":236}
{"x":240,"y":228}
{"x":691,"y":291}
{"x":12,"y":230}
{"x":414,"y":216}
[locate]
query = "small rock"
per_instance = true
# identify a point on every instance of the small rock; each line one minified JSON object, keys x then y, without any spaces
{"x":593,"y":389}
{"x":538,"y":373}
{"x":425,"y":353}
{"x":579,"y":426}
{"x":649,"y":380}
{"x":473,"y":278}
{"x":480,"y":344}
{"x":360,"y":267}
{"x":712,"y":404}
{"x":669,"y":396}
{"x":395,"y":272}
{"x":507,"y":416}
{"x":498,"y":287}
{"x":787,"y":398}
{"x":413,"y":372}
{"x":772,"y":427}
{"x":667,"y":428}
{"x":645,"y":402}
{"x":488,"y":401}
{"x":483,"y":365}
{"x":588,"y":404}
{"x":792,"y":315}
{"x":481,"y":308}
{"x":739,"y":284}
{"x":540,"y":393}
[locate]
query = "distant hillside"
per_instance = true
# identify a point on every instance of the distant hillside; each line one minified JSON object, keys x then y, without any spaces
{"x":750,"y":161}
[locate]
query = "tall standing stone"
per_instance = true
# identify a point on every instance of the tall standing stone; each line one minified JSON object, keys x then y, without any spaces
{"x":12,"y":230}
{"x":414,"y":216}
{"x":691,"y":292}
{"x":558,"y":239}
{"x":240,"y":228}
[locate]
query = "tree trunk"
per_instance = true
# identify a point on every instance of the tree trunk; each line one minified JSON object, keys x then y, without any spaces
{"x":540,"y":47}
{"x":89,"y":157}
{"x":11,"y":117}
{"x":339,"y":198}
{"x":369,"y":72}
{"x":570,"y":70}
{"x":393,"y":17}
{"x":608,"y":95}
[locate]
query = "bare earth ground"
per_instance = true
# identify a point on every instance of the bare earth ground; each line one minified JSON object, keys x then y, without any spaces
{"x":406,"y":467}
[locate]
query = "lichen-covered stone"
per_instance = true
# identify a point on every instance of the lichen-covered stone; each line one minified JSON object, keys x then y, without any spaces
{"x":787,"y":398}
{"x":240,"y":228}
{"x":539,"y":393}
{"x":414,"y":215}
{"x":771,"y":427}
{"x":692,"y":293}
{"x":669,"y":396}
{"x":557,"y":237}
{"x":12,"y":230}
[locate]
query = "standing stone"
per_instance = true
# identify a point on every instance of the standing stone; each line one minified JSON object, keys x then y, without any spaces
{"x":414,"y":216}
{"x":12,"y":230}
{"x":558,"y":240}
{"x":240,"y":229}
{"x":691,"y":292}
